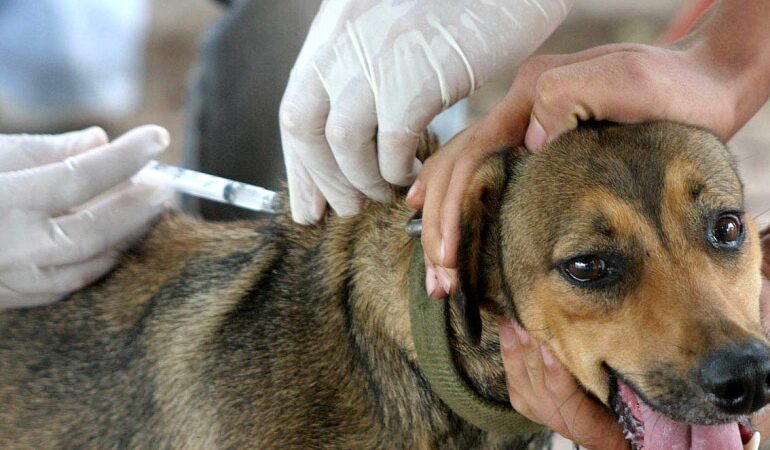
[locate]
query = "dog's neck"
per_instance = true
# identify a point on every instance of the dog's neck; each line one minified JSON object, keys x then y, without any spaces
{"x":380,"y":292}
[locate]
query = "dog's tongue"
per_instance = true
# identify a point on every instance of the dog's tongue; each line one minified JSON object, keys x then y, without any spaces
{"x":662,"y":433}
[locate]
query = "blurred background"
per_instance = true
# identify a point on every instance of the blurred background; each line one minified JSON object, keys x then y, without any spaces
{"x":212,"y":72}
{"x":213,"y":75}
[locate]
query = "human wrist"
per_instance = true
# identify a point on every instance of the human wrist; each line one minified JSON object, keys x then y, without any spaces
{"x":737,"y":64}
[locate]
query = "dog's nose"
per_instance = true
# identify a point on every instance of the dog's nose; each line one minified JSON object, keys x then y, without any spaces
{"x":737,"y":378}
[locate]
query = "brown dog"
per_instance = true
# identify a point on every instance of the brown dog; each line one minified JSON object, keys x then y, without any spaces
{"x":623,"y":248}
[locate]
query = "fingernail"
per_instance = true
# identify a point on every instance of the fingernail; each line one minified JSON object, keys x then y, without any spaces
{"x":507,"y":336}
{"x":413,"y":190}
{"x":536,"y":136}
{"x":548,"y":358}
{"x":159,"y":142}
{"x":163,"y":137}
{"x":444,"y":279}
{"x":90,"y":138}
{"x":430,"y":280}
{"x":522,"y":335}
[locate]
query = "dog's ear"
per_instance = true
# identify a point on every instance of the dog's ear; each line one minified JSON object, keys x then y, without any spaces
{"x":481,"y":206}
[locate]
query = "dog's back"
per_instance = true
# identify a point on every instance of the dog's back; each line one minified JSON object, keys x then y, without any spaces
{"x":275,"y":335}
{"x":122,"y":363}
{"x":246,"y":335}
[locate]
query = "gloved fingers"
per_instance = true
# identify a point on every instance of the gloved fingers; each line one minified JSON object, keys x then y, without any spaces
{"x":344,"y":199}
{"x":351,"y":130}
{"x":56,"y":281}
{"x":66,"y":184}
{"x":305,"y":199}
{"x":23,"y":151}
{"x":396,"y":149}
{"x":302,"y":118}
{"x":100,"y":227}
{"x":406,"y":104}
{"x":303,"y":121}
{"x":11,"y":300}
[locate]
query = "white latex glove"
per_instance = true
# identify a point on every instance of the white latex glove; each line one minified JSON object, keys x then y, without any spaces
{"x":371,"y":76}
{"x":47,"y":251}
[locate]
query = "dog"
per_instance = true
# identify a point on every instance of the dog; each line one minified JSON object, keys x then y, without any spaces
{"x":625,"y":249}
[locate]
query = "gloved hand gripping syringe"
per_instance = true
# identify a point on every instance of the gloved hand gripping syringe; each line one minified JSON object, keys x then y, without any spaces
{"x":207,"y":186}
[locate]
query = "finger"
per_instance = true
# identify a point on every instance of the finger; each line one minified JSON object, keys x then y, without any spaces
{"x":431,"y":281}
{"x":533,"y":359}
{"x":589,"y":89}
{"x":308,"y":156}
{"x":507,"y":121}
{"x":452,"y":203}
{"x":578,"y":417}
{"x":435,"y":175}
{"x":81,"y":236}
{"x":415,"y":198}
{"x":22,"y":151}
{"x":351,"y":130}
{"x":557,"y":379}
{"x":62,"y":185}
{"x":305,"y":199}
{"x":516,"y":375}
{"x":10,"y":299}
{"x":302,"y":117}
{"x":398,"y":136}
{"x":57,"y":280}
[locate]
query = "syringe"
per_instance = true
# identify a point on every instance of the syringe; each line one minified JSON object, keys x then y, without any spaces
{"x":207,"y":186}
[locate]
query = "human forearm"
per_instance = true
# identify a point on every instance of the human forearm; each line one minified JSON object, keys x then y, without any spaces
{"x":732,"y":41}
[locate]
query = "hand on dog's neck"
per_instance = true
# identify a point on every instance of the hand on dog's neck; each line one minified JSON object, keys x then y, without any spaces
{"x":475,"y":311}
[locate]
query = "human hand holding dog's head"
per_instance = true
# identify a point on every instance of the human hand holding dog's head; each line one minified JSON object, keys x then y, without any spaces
{"x":541,"y":389}
{"x":707,"y":81}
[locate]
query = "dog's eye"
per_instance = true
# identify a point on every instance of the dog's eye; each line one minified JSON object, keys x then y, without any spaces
{"x":586,"y":268}
{"x":727,"y":231}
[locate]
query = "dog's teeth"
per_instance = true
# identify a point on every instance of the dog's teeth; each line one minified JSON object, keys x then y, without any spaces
{"x":753,"y":443}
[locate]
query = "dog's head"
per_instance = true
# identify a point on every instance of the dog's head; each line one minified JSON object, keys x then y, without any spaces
{"x":627,"y":251}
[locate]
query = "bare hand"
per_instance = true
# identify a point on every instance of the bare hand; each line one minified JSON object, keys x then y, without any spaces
{"x":541,"y":390}
{"x":625,"y":83}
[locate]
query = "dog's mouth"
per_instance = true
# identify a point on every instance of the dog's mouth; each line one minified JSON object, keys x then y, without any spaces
{"x":647,"y":429}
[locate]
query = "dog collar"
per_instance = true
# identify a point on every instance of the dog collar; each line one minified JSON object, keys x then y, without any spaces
{"x":430,"y":322}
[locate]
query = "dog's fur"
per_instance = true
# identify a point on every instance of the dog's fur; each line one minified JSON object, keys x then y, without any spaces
{"x":275,"y":335}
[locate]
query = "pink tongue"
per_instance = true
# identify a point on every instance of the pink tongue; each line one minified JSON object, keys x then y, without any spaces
{"x":662,"y":433}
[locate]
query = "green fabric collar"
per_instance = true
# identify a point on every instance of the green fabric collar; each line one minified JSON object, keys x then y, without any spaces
{"x":430,"y":322}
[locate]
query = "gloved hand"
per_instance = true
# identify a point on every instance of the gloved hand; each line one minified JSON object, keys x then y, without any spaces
{"x":371,"y":76}
{"x":46,"y":250}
